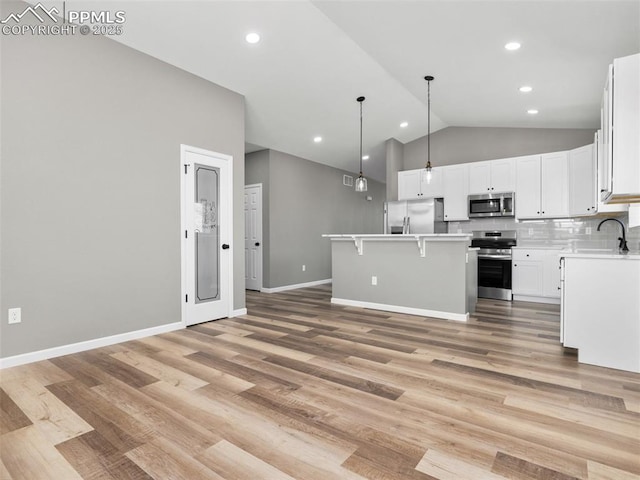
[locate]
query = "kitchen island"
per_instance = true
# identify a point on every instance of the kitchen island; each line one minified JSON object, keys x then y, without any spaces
{"x":432,"y":275}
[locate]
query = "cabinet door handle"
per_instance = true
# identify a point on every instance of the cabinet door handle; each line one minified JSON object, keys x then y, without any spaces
{"x":257,"y":244}
{"x":225,"y":246}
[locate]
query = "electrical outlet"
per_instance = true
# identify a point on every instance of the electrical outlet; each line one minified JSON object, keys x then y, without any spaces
{"x":374,"y":280}
{"x":588,"y":231}
{"x":304,"y":268}
{"x":15,"y":315}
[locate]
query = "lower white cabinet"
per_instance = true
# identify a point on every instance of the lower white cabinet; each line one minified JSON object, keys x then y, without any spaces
{"x":536,"y":274}
{"x":601,"y":310}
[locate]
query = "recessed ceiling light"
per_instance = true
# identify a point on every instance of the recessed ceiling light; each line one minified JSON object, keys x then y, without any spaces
{"x":532,"y":111}
{"x":365,"y":157}
{"x":512,"y":46}
{"x":252,"y":38}
{"x":317,"y":139}
{"x":525,"y":89}
{"x":404,"y":124}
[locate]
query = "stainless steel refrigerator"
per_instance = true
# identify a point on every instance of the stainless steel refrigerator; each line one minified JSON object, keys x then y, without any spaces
{"x":415,"y":216}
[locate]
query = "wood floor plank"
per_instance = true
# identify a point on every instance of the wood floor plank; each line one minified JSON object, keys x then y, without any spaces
{"x":28,"y":454}
{"x":11,"y":416}
{"x":160,"y":419}
{"x":512,"y":466}
{"x":160,"y":370}
{"x":303,"y":389}
{"x":233,"y":463}
{"x":161,"y":459}
{"x":447,"y":467}
{"x":53,"y":418}
{"x":94,"y":457}
{"x":105,"y":417}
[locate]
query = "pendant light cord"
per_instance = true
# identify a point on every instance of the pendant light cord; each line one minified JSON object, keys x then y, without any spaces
{"x":429,"y":122}
{"x":361,"y":137}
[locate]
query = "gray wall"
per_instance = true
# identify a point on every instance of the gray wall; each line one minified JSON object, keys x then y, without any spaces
{"x":395,"y":164}
{"x":305,"y":200}
{"x":90,"y":185}
{"x":453,"y":145}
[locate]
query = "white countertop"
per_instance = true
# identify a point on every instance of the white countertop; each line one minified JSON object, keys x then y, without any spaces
{"x":605,"y":253}
{"x":601,"y":254}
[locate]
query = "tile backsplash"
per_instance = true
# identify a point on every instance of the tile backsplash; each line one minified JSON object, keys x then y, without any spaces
{"x":564,"y":233}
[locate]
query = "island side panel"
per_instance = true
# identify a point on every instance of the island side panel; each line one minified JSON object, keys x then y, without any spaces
{"x":437,"y":281}
{"x":472,"y":280}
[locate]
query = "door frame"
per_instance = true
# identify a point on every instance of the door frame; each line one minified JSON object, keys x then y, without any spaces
{"x":184,"y":149}
{"x":259,"y":186}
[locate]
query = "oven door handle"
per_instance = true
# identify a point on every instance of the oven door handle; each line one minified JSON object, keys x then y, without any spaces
{"x":495,"y":257}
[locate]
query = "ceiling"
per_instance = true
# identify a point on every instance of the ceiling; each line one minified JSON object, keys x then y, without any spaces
{"x":316,"y":57}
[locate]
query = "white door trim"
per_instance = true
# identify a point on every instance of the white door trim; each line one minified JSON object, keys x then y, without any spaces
{"x":184,"y":149}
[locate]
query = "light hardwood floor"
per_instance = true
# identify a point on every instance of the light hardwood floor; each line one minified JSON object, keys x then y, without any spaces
{"x":302,"y":389}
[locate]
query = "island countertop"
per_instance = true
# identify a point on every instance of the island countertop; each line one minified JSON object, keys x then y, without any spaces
{"x":404,"y":236}
{"x":420,"y":239}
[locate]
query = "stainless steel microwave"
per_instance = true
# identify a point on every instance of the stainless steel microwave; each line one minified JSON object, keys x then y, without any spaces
{"x":491,"y":205}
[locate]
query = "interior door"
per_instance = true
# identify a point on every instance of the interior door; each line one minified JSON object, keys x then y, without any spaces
{"x":206,"y":235}
{"x":253,"y":236}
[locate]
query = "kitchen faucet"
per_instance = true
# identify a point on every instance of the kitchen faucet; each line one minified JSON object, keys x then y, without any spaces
{"x":623,"y":240}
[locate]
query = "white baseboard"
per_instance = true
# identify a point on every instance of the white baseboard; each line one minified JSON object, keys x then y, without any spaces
{"x":238,"y":312}
{"x":293,"y":287}
{"x":458,"y":317}
{"x":527,"y":298}
{"x":39,"y":355}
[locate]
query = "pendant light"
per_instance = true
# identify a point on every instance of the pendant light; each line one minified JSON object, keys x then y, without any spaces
{"x":427,"y":167}
{"x":361,"y":182}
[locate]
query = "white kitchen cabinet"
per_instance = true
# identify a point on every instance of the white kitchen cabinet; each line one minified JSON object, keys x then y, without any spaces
{"x":413,"y":184}
{"x":551,"y":274}
{"x":528,"y":187}
{"x":493,"y":176}
{"x":601,"y":309}
{"x":555,"y":183}
{"x":409,"y":185}
{"x":582,"y":181}
{"x":598,"y":152}
{"x":536,"y":274}
{"x":455,"y":180}
{"x":542,"y":186}
{"x":620,"y":182}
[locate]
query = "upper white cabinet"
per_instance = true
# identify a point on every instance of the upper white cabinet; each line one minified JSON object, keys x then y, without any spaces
{"x":528,"y":187}
{"x":555,"y":179}
{"x":494,"y":176}
{"x":620,"y":169}
{"x":542,"y":186}
{"x":582,"y":181}
{"x":413,"y":184}
{"x":455,"y":180}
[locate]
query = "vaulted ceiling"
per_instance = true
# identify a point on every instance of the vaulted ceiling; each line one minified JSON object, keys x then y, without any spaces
{"x":315,"y":57}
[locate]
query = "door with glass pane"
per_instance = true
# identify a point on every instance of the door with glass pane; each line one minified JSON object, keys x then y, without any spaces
{"x":206,"y":219}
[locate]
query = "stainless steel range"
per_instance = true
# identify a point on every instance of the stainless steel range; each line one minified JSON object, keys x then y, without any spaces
{"x":494,"y":263}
